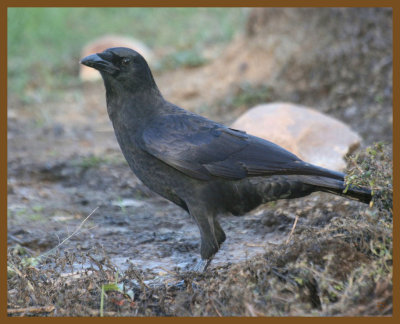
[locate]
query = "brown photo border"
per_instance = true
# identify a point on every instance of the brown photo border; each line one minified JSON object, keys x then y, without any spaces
{"x":394,"y":4}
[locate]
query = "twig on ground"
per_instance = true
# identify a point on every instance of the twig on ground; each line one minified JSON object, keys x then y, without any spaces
{"x":69,"y":236}
{"x":32,"y":310}
{"x":291,"y":232}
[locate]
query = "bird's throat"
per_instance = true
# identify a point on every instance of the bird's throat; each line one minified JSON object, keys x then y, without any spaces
{"x":133,"y":107}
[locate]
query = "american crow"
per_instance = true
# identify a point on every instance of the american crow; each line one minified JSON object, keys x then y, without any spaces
{"x":202,"y":166}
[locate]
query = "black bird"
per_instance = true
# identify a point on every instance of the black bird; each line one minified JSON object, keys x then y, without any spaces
{"x":202,"y":166}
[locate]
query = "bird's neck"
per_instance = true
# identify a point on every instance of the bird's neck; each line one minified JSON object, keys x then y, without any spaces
{"x":133,"y":106}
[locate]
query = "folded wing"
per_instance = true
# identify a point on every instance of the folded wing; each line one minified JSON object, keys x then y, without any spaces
{"x":203,"y":149}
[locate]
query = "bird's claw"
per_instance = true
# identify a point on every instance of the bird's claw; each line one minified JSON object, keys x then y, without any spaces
{"x":202,"y":265}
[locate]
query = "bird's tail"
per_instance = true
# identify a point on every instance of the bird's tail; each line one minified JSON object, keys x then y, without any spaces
{"x":338,"y":187}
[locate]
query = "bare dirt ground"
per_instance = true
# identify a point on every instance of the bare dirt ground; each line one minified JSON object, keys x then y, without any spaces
{"x":64,"y":163}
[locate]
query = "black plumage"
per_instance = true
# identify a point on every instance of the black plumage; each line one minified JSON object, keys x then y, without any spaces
{"x":202,"y":166}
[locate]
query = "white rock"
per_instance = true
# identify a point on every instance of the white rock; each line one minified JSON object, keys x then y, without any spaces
{"x":311,"y":135}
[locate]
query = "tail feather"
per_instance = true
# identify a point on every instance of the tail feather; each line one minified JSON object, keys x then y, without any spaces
{"x":358,"y":193}
{"x":337,"y":186}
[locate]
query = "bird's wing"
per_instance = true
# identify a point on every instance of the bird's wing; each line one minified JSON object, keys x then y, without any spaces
{"x":201,"y":148}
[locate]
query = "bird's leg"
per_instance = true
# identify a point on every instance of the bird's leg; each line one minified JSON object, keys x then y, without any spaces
{"x":209,"y":244}
{"x":202,"y":265}
{"x":219,"y":232}
{"x":211,"y":222}
{"x":215,"y":229}
{"x":219,"y":236}
{"x":211,"y":234}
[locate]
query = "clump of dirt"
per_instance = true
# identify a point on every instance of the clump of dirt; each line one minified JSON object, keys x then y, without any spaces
{"x":373,"y":169}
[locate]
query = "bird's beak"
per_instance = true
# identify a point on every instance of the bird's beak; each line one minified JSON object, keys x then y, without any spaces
{"x":101,"y":62}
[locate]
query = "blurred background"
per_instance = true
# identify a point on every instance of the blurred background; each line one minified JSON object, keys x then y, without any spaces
{"x":218,"y":61}
{"x":64,"y":161}
{"x":45,"y":44}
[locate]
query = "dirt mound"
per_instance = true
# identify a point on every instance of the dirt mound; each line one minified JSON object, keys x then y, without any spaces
{"x":336,"y":60}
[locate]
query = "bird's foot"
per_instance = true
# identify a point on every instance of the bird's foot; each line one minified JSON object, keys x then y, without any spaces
{"x":201,"y":266}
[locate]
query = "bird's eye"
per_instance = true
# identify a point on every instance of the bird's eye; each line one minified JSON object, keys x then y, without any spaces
{"x":125,"y":61}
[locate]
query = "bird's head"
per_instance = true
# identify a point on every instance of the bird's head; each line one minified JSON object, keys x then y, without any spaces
{"x":121,"y":67}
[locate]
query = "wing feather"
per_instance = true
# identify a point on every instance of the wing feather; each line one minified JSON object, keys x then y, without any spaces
{"x":201,"y":148}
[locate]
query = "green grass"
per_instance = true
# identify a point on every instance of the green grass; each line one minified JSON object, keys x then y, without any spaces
{"x":44,"y":44}
{"x":373,"y":168}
